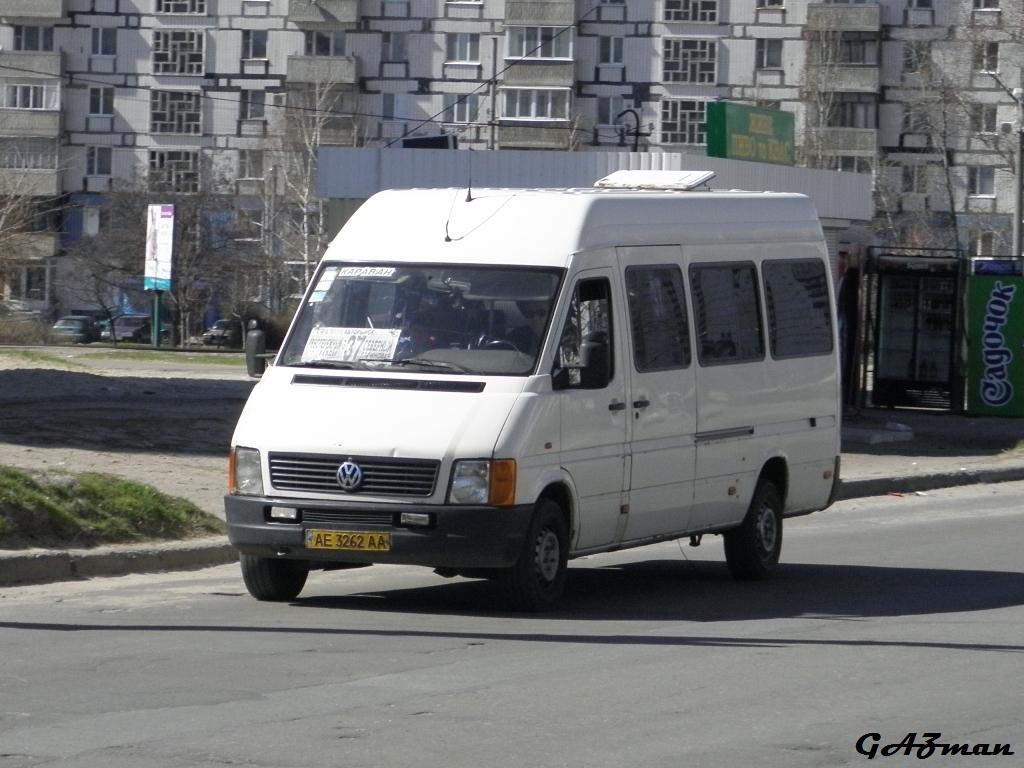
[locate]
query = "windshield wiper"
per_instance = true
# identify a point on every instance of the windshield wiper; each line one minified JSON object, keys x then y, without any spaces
{"x":355,"y":365}
{"x":426,"y":362}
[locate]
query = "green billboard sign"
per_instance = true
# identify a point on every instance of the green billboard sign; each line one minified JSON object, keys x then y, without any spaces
{"x":739,"y":132}
{"x":995,"y":345}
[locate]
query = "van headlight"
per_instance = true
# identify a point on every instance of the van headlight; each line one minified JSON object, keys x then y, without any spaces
{"x":479,"y":481}
{"x":246,"y":472}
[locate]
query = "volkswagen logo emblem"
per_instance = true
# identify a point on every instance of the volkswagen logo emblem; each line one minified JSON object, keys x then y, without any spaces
{"x":350,"y":476}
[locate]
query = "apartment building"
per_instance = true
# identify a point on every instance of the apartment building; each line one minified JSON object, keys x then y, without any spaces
{"x":176,"y":93}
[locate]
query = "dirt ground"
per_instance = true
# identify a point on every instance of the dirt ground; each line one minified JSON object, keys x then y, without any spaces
{"x":168,"y":424}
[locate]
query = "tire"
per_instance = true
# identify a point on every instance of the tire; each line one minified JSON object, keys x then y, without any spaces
{"x":752,"y":548}
{"x":537,"y":580}
{"x":271,"y":579}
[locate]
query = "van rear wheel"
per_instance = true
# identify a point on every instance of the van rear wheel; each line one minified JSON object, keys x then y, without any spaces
{"x":537,"y":580}
{"x":273,"y":579}
{"x":752,"y":548}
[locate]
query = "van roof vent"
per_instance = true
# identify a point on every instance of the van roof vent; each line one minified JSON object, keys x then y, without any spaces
{"x":679,"y":181}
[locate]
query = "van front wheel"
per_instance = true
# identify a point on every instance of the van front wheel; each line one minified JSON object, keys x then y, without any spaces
{"x":272,"y":579}
{"x":752,"y":548}
{"x":537,"y":580}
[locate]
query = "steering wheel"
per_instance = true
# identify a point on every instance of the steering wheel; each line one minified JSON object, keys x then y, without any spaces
{"x":490,"y":342}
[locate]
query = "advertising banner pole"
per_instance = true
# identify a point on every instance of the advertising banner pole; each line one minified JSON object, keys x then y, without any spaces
{"x":159,"y":246}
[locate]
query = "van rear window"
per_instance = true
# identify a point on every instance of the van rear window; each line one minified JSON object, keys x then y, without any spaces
{"x":799,"y":319}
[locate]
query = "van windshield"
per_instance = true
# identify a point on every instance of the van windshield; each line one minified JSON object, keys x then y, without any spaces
{"x":424,"y":318}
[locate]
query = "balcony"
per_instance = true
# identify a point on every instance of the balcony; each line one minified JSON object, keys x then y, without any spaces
{"x":323,"y":11}
{"x":23,"y":65}
{"x":323,"y":70}
{"x":35,"y":246}
{"x":851,"y":78}
{"x":845,"y":18}
{"x":852,"y":141}
{"x":540,"y":74}
{"x":36,"y":123}
{"x":338,"y":132}
{"x":539,"y":13}
{"x":533,"y":137}
{"x":17,"y":11}
{"x":33,"y":182}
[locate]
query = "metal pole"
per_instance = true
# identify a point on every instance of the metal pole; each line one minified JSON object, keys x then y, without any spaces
{"x":1018,"y":176}
{"x":493,"y":88}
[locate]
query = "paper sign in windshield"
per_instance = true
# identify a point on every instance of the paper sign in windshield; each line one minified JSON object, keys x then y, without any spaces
{"x":350,"y":344}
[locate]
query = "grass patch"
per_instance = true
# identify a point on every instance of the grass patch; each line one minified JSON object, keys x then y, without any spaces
{"x":59,"y":511}
{"x":232,"y":359}
{"x":43,"y":358}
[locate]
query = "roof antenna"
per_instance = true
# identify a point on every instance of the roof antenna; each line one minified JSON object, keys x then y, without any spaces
{"x":469,"y":181}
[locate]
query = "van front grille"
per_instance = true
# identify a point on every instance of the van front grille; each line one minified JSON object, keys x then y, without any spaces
{"x":380,"y":476}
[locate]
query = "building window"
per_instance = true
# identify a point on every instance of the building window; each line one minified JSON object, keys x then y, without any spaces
{"x":463,"y":47}
{"x":30,"y":96}
{"x":983,"y":118}
{"x":851,"y":164}
{"x":393,"y":46}
{"x":174,"y":170}
{"x":461,"y":109}
{"x":981,"y":181}
{"x":920,"y":4}
{"x":986,"y":57}
{"x":691,"y":10}
{"x":768,"y":54}
{"x":104,"y":41}
{"x":181,"y":7}
{"x":536,"y":104}
{"x":986,"y":5}
{"x":538,"y":43}
{"x":610,"y":49}
{"x":854,"y":110}
{"x":33,"y":38}
{"x":858,"y":48}
{"x":101,"y":100}
{"x":250,"y":163}
{"x":608,"y":108}
{"x":770,"y":3}
{"x":683,"y":121}
{"x":917,"y":55}
{"x":325,"y":43}
{"x":176,"y":112}
{"x":915,"y":179}
{"x":178,"y":52}
{"x":98,"y":161}
{"x":254,"y":43}
{"x":690,"y":61}
{"x":253,"y":105}
{"x":981,"y":242}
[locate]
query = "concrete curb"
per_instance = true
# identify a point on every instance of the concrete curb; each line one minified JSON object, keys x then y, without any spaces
{"x":879,"y":486}
{"x":38,"y":566}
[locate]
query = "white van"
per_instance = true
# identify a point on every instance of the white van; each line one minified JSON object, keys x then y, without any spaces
{"x":492,"y":382}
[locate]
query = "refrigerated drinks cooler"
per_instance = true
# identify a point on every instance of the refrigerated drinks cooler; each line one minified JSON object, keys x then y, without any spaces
{"x":914,"y":343}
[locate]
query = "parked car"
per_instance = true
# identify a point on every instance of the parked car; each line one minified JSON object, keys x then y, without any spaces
{"x":77,"y":329}
{"x":143,"y":334}
{"x":124,"y":327}
{"x":223,"y":333}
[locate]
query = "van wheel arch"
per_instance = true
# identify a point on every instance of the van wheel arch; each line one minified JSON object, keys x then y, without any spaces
{"x":560,"y":494}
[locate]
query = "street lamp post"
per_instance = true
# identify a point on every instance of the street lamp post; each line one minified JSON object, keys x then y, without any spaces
{"x":636,"y":126}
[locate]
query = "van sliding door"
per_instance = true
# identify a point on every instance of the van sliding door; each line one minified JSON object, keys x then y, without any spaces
{"x":662,"y":395}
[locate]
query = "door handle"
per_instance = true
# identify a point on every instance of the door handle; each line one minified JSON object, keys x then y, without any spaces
{"x":615,"y":405}
{"x":641,"y":403}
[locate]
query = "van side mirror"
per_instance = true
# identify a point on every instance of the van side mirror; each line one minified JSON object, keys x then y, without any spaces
{"x":592,"y":369}
{"x":255,"y":353}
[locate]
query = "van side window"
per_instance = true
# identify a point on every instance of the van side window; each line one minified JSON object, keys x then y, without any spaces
{"x":657,"y":317}
{"x":727,"y":313}
{"x":585,"y":352}
{"x":796,"y":294}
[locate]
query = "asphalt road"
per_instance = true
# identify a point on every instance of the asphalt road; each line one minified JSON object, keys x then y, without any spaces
{"x":893,"y":615}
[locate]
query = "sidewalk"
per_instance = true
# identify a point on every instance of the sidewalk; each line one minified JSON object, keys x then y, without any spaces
{"x":884,"y":451}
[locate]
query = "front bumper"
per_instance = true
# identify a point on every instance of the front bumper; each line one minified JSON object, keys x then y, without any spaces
{"x":458,"y":537}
